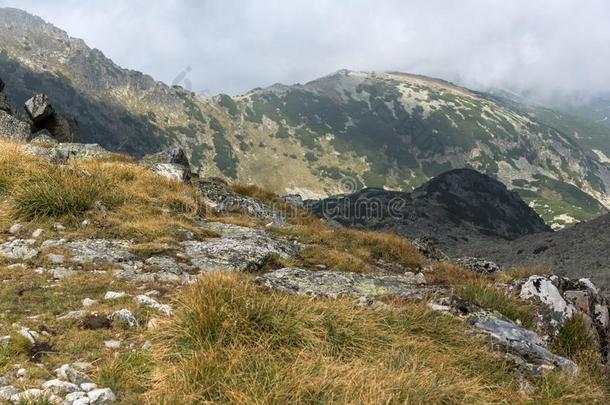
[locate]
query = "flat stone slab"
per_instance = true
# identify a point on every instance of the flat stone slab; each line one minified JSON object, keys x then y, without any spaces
{"x":18,"y":249}
{"x":237,"y":249}
{"x":100,"y":250}
{"x":331,"y":284}
{"x":524,"y":343}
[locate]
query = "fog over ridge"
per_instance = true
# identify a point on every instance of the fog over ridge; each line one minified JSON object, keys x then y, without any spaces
{"x":543,"y":47}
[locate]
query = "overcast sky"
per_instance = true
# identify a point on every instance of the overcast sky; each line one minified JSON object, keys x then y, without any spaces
{"x":232,"y":46}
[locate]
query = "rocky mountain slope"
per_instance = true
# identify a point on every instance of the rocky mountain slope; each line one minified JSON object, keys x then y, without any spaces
{"x":335,"y":134}
{"x":579,"y":250}
{"x":119,"y":275}
{"x":454,"y":211}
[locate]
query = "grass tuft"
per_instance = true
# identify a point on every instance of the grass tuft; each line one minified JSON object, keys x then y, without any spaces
{"x":232,"y":342}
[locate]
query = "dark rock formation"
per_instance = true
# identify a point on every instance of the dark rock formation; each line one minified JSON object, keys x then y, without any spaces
{"x":170,"y":155}
{"x":581,"y":250}
{"x":12,"y":127}
{"x":44,"y":117}
{"x":450,"y":211}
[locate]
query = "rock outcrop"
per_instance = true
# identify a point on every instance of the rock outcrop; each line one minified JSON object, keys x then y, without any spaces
{"x":44,"y":117}
{"x":222,"y":199}
{"x":12,"y":127}
{"x":171,"y":163}
{"x":453,"y":211}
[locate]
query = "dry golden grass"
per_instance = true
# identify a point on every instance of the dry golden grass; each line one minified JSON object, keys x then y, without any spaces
{"x":314,"y":255}
{"x":340,"y":246}
{"x":523,"y":272}
{"x":232,"y":342}
{"x":451,"y":274}
{"x":122,"y":198}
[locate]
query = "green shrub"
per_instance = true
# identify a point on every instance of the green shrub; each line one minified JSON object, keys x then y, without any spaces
{"x":498,"y":300}
{"x":56,"y":192}
{"x":573,"y":338}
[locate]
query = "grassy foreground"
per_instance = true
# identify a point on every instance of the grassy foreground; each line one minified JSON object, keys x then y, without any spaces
{"x":234,"y":342}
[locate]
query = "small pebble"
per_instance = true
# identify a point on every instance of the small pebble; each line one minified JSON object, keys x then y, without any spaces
{"x":37,"y":233}
{"x":113,"y":295}
{"x":87,"y":302}
{"x":112,"y":344}
{"x":15,"y":229}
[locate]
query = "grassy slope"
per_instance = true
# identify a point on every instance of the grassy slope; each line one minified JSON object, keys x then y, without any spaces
{"x":231,"y":341}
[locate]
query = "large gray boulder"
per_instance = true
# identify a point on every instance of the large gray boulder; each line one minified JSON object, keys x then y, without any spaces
{"x":39,"y":108}
{"x":12,"y":128}
{"x":63,"y":128}
{"x":170,"y":155}
{"x":223,"y":200}
{"x":237,"y":249}
{"x":526,"y":344}
{"x":172,"y":171}
{"x":171,"y":163}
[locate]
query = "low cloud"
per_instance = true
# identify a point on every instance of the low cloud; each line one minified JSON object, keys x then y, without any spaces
{"x":544,"y":46}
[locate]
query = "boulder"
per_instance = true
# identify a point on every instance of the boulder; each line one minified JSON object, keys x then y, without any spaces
{"x":542,"y":290}
{"x":62,"y":128}
{"x":477,"y":265}
{"x":125,"y":316}
{"x":12,"y":128}
{"x":43,"y":138}
{"x":222,"y":199}
{"x":18,"y":249}
{"x":39,"y":108}
{"x":101,"y":396}
{"x":170,"y":155}
{"x":172,"y":171}
{"x":522,"y":342}
{"x":5,"y":104}
{"x":237,"y":249}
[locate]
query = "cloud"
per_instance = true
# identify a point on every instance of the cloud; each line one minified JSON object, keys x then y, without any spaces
{"x":232,"y":46}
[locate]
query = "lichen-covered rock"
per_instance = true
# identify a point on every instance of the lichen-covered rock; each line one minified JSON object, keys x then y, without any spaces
{"x":478,"y":265}
{"x":542,"y":290}
{"x":62,"y":152}
{"x":39,"y":108}
{"x":172,"y":171}
{"x":12,"y":128}
{"x":522,"y":342}
{"x":167,"y":264}
{"x":224,"y":200}
{"x":559,"y":298}
{"x":237,"y":249}
{"x":173,"y":155}
{"x":18,"y":249}
{"x":100,"y":250}
{"x":152,"y":303}
{"x":101,"y":396}
{"x":331,"y":284}
{"x":59,"y":387}
{"x":125,"y":316}
{"x":294,"y":199}
{"x":69,"y":373}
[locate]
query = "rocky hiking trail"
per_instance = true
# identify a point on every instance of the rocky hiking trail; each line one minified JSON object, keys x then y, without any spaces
{"x":106,"y":264}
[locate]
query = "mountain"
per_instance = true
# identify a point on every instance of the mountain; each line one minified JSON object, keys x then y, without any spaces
{"x":455,"y":211}
{"x":335,"y":134}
